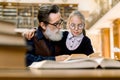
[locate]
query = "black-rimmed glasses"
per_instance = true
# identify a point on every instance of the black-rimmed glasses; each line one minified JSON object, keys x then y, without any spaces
{"x":57,"y":24}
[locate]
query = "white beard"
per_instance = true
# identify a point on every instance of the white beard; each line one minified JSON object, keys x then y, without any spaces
{"x":55,"y":35}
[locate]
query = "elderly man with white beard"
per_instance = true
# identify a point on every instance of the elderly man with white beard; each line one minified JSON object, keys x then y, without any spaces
{"x":45,"y":42}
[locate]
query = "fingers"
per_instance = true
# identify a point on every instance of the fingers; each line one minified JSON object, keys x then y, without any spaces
{"x":28,"y":34}
{"x":61,"y":57}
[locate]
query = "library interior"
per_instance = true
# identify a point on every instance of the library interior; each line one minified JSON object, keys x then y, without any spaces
{"x":102,"y":25}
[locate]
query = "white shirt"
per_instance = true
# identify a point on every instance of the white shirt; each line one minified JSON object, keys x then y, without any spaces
{"x":72,"y":42}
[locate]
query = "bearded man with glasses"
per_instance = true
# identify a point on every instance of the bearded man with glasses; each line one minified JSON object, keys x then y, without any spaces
{"x":44,"y":44}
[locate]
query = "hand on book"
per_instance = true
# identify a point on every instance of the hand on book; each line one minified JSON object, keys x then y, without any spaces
{"x":82,"y":55}
{"x":76,"y":56}
{"x":95,"y":55}
{"x":61,"y":57}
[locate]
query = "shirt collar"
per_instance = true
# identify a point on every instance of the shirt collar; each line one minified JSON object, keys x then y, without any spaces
{"x":79,"y":37}
{"x":70,"y":36}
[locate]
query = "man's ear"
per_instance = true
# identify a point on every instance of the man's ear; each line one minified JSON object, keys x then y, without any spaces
{"x":43,"y":26}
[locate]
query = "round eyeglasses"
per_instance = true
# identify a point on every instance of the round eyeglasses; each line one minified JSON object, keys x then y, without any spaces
{"x":78,"y":26}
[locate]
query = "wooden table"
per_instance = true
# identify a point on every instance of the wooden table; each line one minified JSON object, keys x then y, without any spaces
{"x":63,"y":74}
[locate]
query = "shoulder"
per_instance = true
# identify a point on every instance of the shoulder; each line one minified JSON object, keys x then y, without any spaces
{"x":65,"y":33}
{"x":86,"y":39}
{"x":38,"y":34}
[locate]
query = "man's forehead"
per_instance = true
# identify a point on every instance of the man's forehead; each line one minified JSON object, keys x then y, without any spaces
{"x":53,"y":17}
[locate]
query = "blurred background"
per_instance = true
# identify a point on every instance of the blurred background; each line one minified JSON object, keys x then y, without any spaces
{"x":102,"y":20}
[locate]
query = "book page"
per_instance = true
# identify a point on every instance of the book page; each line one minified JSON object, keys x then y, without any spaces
{"x":37,"y":64}
{"x":76,"y":56}
{"x":82,"y":56}
{"x":70,"y":64}
{"x":95,"y":55}
{"x":110,"y":63}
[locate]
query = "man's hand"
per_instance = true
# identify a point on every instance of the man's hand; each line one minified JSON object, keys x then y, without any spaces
{"x":61,"y":57}
{"x":28,"y":34}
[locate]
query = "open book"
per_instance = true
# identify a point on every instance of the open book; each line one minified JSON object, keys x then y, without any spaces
{"x":78,"y":63}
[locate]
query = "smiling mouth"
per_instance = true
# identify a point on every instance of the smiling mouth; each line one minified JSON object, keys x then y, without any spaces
{"x":75,"y":32}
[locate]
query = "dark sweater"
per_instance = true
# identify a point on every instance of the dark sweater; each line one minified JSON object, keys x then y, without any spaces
{"x":85,"y":46}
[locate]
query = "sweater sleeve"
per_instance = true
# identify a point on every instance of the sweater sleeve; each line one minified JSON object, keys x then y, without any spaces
{"x":30,"y":58}
{"x":88,"y":47}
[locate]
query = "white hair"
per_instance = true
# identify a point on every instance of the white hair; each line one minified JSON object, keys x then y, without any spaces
{"x":55,"y":35}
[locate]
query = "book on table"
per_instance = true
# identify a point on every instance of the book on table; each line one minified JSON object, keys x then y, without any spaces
{"x":78,"y":61}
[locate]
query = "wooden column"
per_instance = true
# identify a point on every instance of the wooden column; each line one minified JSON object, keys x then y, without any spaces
{"x":105,"y":35}
{"x":116,"y":35}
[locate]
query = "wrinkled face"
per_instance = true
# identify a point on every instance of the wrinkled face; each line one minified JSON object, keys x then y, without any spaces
{"x":76,"y":26}
{"x":55,"y":21}
{"x":52,"y":30}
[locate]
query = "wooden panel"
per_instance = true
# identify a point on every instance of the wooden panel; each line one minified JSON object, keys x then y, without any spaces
{"x":116,"y":35}
{"x":105,"y":35}
{"x":12,"y":57}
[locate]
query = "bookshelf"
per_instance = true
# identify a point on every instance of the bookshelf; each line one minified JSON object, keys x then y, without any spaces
{"x":8,"y":13}
{"x":25,"y":14}
{"x":66,"y":9}
{"x":1,"y":7}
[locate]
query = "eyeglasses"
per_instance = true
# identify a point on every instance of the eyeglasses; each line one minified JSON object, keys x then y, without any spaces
{"x":79,"y":26}
{"x":56,"y":24}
